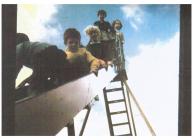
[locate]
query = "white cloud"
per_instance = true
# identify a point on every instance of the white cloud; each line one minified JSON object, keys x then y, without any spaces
{"x":153,"y":77}
{"x":33,"y":20}
{"x":24,"y":73}
{"x":134,"y":14}
{"x":134,"y":25}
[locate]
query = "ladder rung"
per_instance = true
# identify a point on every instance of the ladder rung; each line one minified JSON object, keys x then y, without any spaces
{"x":125,"y":135}
{"x":118,"y":112}
{"x":117,"y":124}
{"x":115,"y":89}
{"x":116,"y":101}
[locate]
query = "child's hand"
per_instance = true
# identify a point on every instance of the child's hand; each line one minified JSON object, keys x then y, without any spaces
{"x":102,"y":63}
{"x":95,"y":71}
{"x":96,"y":65}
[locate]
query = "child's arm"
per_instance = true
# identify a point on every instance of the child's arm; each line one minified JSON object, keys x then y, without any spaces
{"x":122,"y":38}
{"x":94,"y":62}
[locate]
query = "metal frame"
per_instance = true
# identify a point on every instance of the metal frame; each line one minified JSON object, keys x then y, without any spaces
{"x":71,"y":126}
{"x":85,"y":120}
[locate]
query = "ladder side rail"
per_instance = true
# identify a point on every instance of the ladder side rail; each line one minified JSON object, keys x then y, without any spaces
{"x":131,"y":112}
{"x":108,"y":112}
{"x":129,"y":121}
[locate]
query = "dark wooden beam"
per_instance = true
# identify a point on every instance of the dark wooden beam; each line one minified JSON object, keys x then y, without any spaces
{"x":184,"y":120}
{"x":9,"y":16}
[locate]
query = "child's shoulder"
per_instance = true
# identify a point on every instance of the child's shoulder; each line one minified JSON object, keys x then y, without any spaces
{"x":81,"y":50}
{"x":96,"y":22}
{"x":107,"y":22}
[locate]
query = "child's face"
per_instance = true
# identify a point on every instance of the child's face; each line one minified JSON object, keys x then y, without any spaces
{"x":101,"y":17}
{"x":117,"y":26}
{"x":94,"y":36}
{"x":73,"y":43}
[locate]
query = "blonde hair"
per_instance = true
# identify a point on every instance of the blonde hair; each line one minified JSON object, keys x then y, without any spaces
{"x":90,"y":29}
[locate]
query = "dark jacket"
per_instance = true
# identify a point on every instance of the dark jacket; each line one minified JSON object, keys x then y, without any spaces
{"x":44,"y":59}
{"x":95,"y":49}
{"x":103,"y":26}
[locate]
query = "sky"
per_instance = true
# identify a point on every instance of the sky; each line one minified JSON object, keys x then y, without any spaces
{"x":151,"y":50}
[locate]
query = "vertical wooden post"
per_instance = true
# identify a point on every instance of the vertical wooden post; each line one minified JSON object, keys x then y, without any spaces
{"x":71,"y":129}
{"x":9,"y":16}
{"x":184,"y":120}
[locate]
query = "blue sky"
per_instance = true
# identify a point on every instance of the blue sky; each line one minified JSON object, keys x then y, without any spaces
{"x":158,"y":22}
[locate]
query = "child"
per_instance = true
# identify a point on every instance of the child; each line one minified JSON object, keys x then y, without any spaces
{"x":119,"y":41}
{"x":104,"y":26}
{"x":117,"y":25}
{"x":106,"y":39}
{"x":94,"y":45}
{"x":46,"y":61}
{"x":82,"y":61}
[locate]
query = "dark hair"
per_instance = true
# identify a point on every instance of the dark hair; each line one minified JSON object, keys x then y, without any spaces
{"x":102,"y":12}
{"x":21,"y":37}
{"x":117,"y":20}
{"x":71,"y":33}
